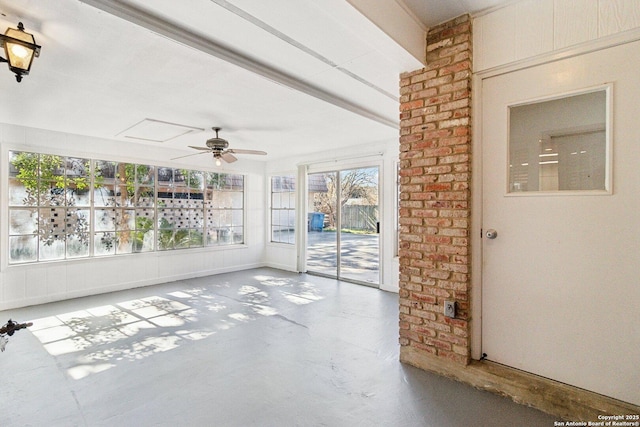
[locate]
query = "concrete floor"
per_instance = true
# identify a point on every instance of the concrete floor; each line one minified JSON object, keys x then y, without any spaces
{"x":256,"y":348}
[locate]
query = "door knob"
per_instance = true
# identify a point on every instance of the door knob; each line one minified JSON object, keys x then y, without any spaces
{"x":491,"y":233}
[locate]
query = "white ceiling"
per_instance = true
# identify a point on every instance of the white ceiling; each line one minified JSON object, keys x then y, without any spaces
{"x":290,"y":77}
{"x":433,"y":12}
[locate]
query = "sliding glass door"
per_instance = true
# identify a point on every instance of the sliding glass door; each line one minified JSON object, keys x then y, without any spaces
{"x":343,"y":225}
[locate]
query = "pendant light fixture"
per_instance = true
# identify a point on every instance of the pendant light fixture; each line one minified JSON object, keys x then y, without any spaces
{"x":20,"y":48}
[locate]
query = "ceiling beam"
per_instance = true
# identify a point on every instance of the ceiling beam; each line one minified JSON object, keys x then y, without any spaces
{"x":188,"y":38}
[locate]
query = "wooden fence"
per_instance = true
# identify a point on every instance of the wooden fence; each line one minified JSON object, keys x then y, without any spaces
{"x":360,"y":217}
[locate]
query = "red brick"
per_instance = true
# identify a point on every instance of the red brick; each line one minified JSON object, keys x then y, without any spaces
{"x":425,"y":143}
{"x":424,"y":298}
{"x":425,"y":332}
{"x":410,"y":138}
{"x":424,"y":348}
{"x":412,"y":122}
{"x":454,"y":357}
{"x":453,"y":339}
{"x":413,"y":336}
{"x":438,"y":344}
{"x":412,"y":104}
{"x":424,"y":213}
{"x":455,"y":67}
{"x":427,"y":93}
{"x":434,"y":100}
{"x":435,"y":161}
{"x":411,"y":319}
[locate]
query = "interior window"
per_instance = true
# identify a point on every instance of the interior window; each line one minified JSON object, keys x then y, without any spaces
{"x":559,"y":145}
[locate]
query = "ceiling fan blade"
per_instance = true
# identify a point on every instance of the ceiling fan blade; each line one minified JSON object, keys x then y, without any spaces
{"x":199,"y":148}
{"x":228,"y":157}
{"x":188,"y":155}
{"x":240,"y":151}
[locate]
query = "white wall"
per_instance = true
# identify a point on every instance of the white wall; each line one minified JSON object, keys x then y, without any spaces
{"x":531,"y":28}
{"x":28,"y":284}
{"x":36,"y":283}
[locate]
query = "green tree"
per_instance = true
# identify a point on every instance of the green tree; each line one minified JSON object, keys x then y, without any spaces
{"x":354,"y":184}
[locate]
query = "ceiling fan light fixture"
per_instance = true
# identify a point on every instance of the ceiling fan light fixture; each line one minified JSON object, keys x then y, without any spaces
{"x":219,"y":147}
{"x":20,"y":48}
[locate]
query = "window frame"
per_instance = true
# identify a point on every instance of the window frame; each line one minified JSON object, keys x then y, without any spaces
{"x":289,"y":209}
{"x":192,"y":206}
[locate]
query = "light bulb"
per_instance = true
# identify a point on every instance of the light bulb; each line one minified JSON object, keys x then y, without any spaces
{"x":218,"y":162}
{"x":19,"y":51}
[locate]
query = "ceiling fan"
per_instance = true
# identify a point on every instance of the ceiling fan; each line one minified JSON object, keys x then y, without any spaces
{"x":219,"y":147}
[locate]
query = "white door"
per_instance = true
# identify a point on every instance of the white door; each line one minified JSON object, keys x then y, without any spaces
{"x":561,"y":281}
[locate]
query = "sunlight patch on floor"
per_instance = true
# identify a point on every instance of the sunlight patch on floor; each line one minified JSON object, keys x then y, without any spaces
{"x":96,"y":339}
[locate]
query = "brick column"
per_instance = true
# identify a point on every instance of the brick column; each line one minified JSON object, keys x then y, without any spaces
{"x":435,"y":199}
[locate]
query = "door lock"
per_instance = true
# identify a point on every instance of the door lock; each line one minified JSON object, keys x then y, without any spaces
{"x":491,"y":233}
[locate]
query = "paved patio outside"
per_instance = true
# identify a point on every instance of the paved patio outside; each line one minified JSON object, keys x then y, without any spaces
{"x":359,"y":255}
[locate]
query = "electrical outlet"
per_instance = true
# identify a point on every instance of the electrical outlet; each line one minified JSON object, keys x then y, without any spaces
{"x":450,"y":309}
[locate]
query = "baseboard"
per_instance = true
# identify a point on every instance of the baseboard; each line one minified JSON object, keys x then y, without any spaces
{"x":121,"y":286}
{"x":555,"y":398}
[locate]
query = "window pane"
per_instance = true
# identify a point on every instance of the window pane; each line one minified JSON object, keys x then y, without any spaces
{"x":125,"y":219}
{"x":237,"y":182}
{"x":197,"y":218}
{"x":51,"y":224}
{"x":104,"y":244}
{"x":143,"y":241}
{"x":237,"y":217}
{"x":225,"y":236}
{"x":51,"y":249}
{"x":276,"y":200}
{"x":23,"y":182}
{"x":22,"y":248}
{"x":165,"y":239}
{"x":212,"y":237}
{"x":104,"y":171}
{"x":196,"y":238}
{"x":52,"y":193}
{"x":105,"y":219}
{"x":19,"y":195}
{"x":144,"y":219}
{"x":23,"y":221}
{"x":213,"y":219}
{"x":77,"y":181}
{"x":226,"y":218}
{"x":559,"y":145}
{"x":165,"y":219}
{"x":181,"y":239}
{"x":124,"y":242}
{"x":145,"y":175}
{"x":236,"y":200}
{"x":145,"y":197}
{"x":77,"y":221}
{"x":237,"y":235}
{"x":78,"y":245}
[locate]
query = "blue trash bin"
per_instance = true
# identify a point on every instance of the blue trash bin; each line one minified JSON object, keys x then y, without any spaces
{"x":316,"y":221}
